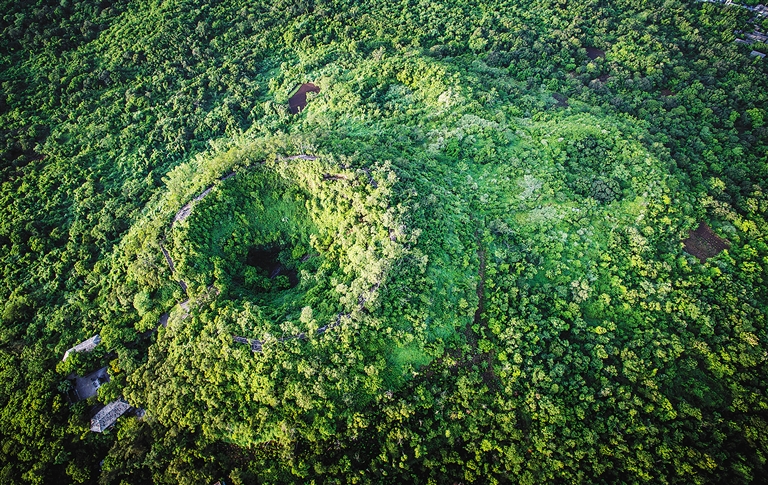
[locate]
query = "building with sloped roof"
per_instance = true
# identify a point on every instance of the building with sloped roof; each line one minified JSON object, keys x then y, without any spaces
{"x":84,"y":346}
{"x":108,"y":415}
{"x":88,"y":385}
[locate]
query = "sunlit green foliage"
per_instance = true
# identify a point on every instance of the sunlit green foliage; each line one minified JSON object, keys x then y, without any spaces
{"x":477,"y":276}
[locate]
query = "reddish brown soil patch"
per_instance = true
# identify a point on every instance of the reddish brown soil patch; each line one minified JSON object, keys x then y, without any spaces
{"x":241,"y":456}
{"x":562,"y":101}
{"x":704,"y":244}
{"x":667,"y":92}
{"x":593,"y":52}
{"x":298,"y":101}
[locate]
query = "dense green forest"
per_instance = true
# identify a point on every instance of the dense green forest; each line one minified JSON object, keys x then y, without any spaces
{"x":462,"y":262}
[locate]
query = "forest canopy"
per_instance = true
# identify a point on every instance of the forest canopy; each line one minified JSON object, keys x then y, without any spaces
{"x":470,"y":257}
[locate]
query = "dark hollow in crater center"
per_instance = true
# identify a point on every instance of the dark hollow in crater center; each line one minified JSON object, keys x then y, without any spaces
{"x":268,"y":260}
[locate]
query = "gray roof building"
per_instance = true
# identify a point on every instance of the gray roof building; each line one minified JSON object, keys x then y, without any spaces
{"x":84,"y":346}
{"x":108,"y":415}
{"x":87,"y":386}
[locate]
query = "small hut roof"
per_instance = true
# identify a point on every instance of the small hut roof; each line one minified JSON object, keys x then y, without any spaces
{"x":108,"y":415}
{"x":84,"y":346}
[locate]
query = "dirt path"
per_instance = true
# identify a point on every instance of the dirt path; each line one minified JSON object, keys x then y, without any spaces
{"x":469,"y":331}
{"x":480,"y":288}
{"x":472,"y":331}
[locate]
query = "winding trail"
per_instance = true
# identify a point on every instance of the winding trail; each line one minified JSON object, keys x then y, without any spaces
{"x":168,"y":259}
{"x":298,"y":157}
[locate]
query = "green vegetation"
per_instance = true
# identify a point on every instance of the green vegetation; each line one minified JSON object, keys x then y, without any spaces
{"x":462,"y":261}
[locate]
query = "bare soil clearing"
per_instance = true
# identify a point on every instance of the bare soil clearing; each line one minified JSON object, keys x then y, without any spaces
{"x":562,"y":100}
{"x":704,"y":243}
{"x":298,"y":101}
{"x":593,"y":53}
